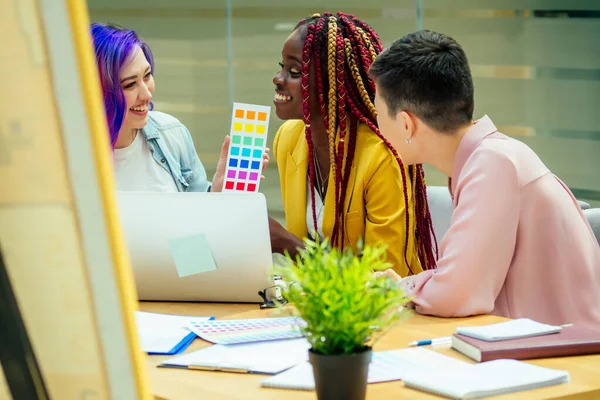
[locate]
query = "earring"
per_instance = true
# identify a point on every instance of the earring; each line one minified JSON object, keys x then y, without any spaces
{"x":408,"y":140}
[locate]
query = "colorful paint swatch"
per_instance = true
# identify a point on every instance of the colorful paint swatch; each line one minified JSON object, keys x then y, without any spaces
{"x":249,"y":128}
{"x":247,"y":330}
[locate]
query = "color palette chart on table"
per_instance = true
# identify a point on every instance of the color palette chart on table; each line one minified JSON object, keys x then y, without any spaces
{"x":247,"y":330}
{"x":249,"y":128}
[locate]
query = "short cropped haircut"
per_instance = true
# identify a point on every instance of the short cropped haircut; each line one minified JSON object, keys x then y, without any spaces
{"x":426,"y":73}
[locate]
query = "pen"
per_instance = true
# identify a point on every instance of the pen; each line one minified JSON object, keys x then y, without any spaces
{"x":441,"y":340}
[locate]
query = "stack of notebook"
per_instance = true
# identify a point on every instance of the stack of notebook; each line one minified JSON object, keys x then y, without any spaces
{"x":497,"y":348}
{"x":523,"y":339}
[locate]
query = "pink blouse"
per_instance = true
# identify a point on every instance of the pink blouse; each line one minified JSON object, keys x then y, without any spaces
{"x":518,"y":244}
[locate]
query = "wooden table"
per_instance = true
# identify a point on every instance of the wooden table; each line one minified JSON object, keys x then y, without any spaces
{"x":176,"y":384}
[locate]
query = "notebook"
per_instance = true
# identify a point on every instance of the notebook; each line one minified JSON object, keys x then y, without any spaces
{"x":385,"y":366}
{"x":486,"y":379}
{"x":164,"y":333}
{"x":513,"y":329}
{"x":571,"y":341}
{"x":259,"y":357}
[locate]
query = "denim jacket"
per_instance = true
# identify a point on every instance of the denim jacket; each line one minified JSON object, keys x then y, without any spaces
{"x":172,"y":147}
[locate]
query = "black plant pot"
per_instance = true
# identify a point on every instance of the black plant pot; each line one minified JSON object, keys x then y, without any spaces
{"x":341,"y":377}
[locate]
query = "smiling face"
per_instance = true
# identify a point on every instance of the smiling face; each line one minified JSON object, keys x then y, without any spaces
{"x":137,"y":83}
{"x":288,"y":81}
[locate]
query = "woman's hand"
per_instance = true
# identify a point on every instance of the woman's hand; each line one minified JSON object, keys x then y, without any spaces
{"x":405,"y":283}
{"x":218,"y":179}
{"x":282,"y":240}
{"x":390,"y":273}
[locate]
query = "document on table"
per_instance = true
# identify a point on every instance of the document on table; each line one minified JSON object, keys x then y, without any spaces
{"x":164,"y":333}
{"x":268,"y":357}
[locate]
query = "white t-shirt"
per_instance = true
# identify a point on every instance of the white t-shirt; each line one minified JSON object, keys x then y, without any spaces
{"x":136,"y":170}
{"x":310,"y":223}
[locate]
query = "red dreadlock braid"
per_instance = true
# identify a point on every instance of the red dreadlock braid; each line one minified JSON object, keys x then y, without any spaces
{"x":332,"y":32}
{"x":374,"y":128}
{"x":354,"y":99}
{"x":317,"y":62}
{"x":318,"y":42}
{"x":348,"y":165}
{"x":306,"y":110}
{"x":374,"y":36}
{"x":357,"y":47}
{"x":426,"y":223}
{"x":341,"y":114}
{"x":368,"y":46}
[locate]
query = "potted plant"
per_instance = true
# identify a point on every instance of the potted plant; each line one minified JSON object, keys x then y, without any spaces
{"x":344,"y":310}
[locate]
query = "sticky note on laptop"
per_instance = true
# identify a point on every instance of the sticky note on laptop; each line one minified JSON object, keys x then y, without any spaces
{"x":192,"y":255}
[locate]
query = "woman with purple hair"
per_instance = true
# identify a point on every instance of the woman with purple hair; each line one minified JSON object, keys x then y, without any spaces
{"x":152,"y":151}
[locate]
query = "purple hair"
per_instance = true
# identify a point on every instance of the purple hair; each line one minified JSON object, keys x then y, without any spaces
{"x":113,"y":45}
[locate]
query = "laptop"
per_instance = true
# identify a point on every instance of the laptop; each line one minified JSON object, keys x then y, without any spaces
{"x":236,"y":228}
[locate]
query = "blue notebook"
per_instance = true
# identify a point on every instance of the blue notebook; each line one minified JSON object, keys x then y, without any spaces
{"x":163,"y":334}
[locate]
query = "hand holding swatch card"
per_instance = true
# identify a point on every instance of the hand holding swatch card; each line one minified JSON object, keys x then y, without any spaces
{"x":247,"y":330}
{"x":249,"y":128}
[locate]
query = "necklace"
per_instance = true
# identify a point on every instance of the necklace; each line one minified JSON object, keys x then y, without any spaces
{"x":320,"y":182}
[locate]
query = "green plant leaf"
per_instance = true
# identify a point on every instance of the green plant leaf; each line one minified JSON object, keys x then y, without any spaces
{"x":345,"y":308}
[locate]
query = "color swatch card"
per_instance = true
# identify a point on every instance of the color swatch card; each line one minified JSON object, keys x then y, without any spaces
{"x":247,"y":330}
{"x":249,"y":127}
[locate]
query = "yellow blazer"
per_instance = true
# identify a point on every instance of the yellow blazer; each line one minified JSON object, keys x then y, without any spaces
{"x":375,"y":209}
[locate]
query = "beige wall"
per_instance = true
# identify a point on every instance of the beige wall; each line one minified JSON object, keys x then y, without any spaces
{"x":538,"y":78}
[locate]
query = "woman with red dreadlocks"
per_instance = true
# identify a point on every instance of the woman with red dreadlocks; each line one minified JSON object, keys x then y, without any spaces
{"x":340,"y":178}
